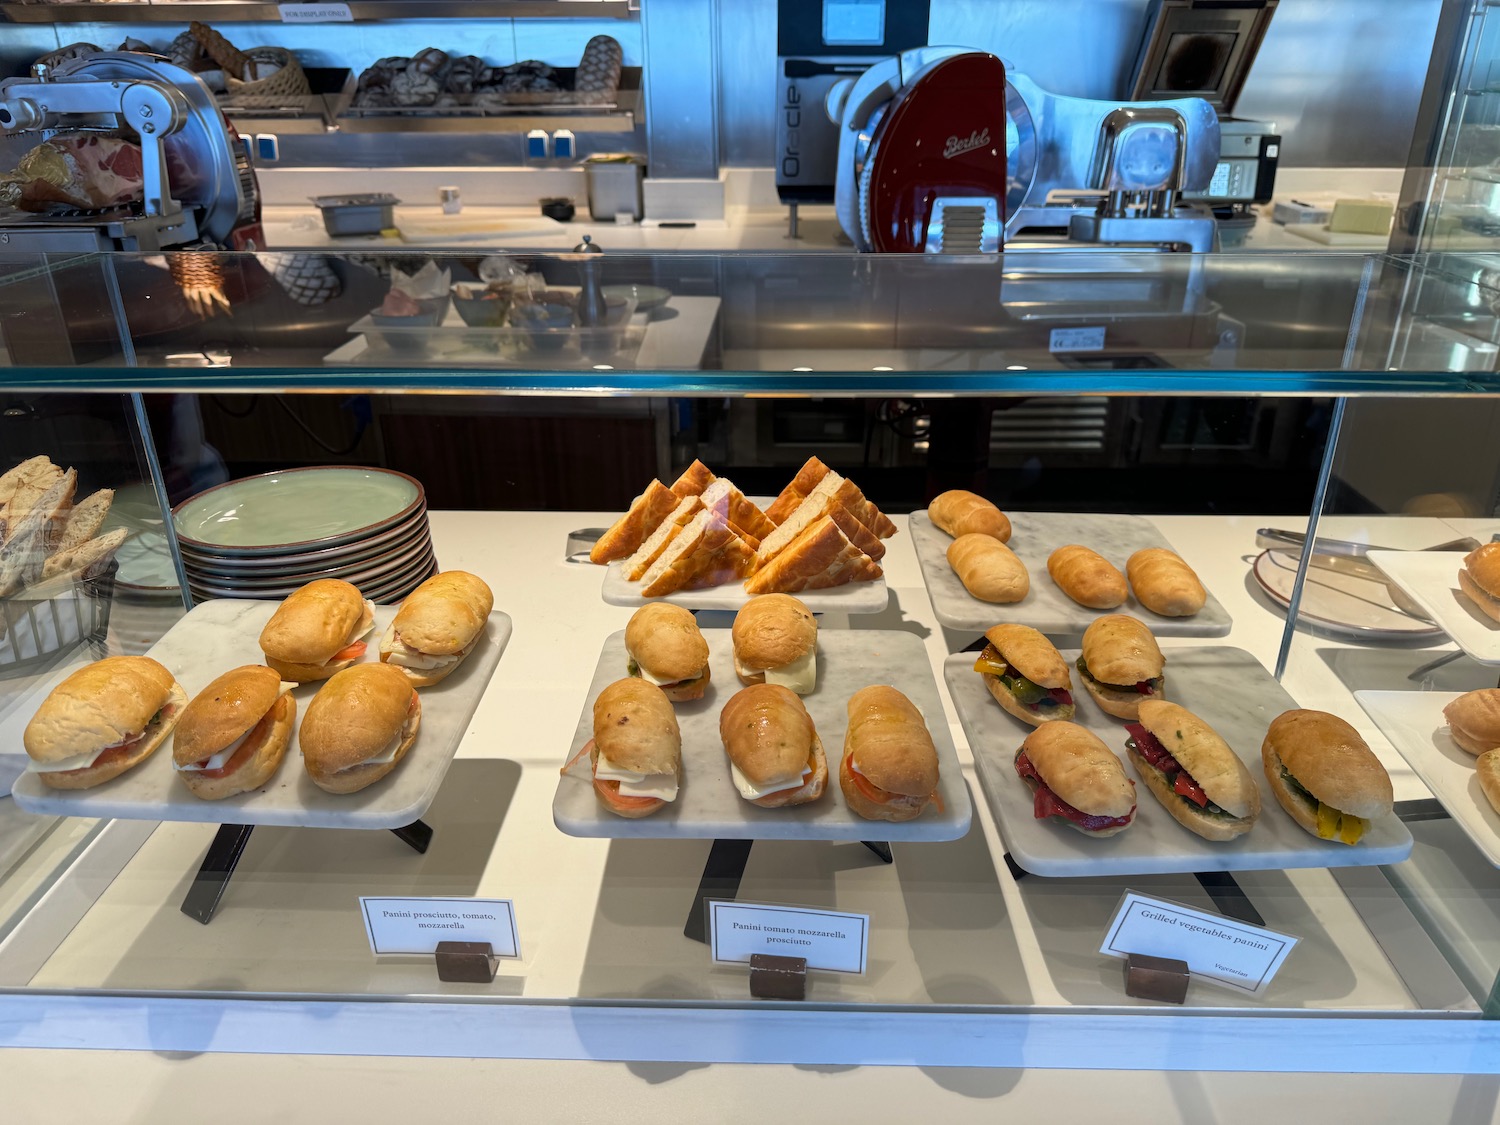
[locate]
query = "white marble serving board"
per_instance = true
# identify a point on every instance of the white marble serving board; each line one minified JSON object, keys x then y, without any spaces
{"x":856,"y":597}
{"x":1226,"y":687}
{"x":1416,"y":726}
{"x":1034,"y":536}
{"x":1431,"y":578}
{"x":709,"y":807}
{"x":217,"y":636}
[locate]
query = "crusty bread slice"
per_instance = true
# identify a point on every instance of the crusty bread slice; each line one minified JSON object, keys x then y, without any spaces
{"x":87,"y":559}
{"x":85,"y":520}
{"x":630,"y":530}
{"x":32,"y":536}
{"x":21,"y":488}
{"x":821,"y":557}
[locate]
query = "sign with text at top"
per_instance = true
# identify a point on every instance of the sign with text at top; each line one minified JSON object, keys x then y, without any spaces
{"x":315,"y":13}
{"x":416,"y":925}
{"x":826,"y":938}
{"x":1217,"y":949}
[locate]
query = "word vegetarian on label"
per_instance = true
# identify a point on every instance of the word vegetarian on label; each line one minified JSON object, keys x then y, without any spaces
{"x":826,"y":938}
{"x":1217,"y":949}
{"x":416,"y":925}
{"x":315,"y":13}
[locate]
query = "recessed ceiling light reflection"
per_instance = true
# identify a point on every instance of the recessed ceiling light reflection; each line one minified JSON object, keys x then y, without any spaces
{"x":1017,"y":367}
{"x":882,"y":369}
{"x":603,"y":367}
{"x":802,"y":369}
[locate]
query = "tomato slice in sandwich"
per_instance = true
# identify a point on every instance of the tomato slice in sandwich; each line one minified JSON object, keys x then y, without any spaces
{"x":352,"y":651}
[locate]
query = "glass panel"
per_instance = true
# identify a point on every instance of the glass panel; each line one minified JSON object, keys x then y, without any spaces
{"x":1101,"y":322}
{"x":87,"y":574}
{"x":512,"y":484}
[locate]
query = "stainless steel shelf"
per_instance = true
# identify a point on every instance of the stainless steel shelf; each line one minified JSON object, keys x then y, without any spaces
{"x":238,"y":11}
{"x":617,"y":117}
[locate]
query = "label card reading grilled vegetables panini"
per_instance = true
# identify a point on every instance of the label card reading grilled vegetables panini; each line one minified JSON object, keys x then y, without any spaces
{"x":315,"y":13}
{"x":1217,"y":949}
{"x":828,"y":939}
{"x":416,"y":925}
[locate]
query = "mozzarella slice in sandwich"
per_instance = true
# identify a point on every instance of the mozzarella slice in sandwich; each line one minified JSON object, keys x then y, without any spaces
{"x":85,"y":760}
{"x":388,"y":754}
{"x":221,"y":759}
{"x":662,"y":786}
{"x":365,"y":624}
{"x":800,"y":676}
{"x":403,"y":655}
{"x":752,"y":792}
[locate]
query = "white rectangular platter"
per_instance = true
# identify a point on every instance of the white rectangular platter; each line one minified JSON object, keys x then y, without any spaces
{"x":1224,"y":686}
{"x":856,"y":597}
{"x":219,"y":635}
{"x":1431,"y":578}
{"x":1034,"y":536}
{"x":709,"y":807}
{"x":1414,"y":722}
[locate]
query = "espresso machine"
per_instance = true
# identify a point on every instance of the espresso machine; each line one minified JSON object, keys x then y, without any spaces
{"x":818,"y":43}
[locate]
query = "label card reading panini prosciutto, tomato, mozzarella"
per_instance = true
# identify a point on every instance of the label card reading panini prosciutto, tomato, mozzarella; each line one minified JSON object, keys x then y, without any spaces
{"x":826,"y":938}
{"x":416,"y":925}
{"x":1217,"y":949}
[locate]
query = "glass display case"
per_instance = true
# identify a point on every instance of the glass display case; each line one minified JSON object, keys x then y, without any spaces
{"x":1218,"y":407}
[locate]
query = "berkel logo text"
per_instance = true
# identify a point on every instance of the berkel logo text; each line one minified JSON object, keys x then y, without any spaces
{"x":956,"y":146}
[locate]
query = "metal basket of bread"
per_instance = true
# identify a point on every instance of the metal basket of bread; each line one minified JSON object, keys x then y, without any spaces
{"x":57,"y":572}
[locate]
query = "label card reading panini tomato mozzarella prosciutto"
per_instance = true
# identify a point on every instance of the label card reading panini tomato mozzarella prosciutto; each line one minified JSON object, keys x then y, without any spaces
{"x":828,"y":939}
{"x":416,"y":925}
{"x":1217,"y":949}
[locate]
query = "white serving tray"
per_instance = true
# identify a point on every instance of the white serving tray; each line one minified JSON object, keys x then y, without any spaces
{"x":1431,"y":578}
{"x":856,"y":597}
{"x":1414,"y":722}
{"x":219,"y":635}
{"x":1034,"y":536}
{"x":1226,"y":687}
{"x":709,"y":807}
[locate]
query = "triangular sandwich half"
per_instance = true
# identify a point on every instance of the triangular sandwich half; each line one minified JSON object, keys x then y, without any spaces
{"x":822,"y":556}
{"x":706,"y":552}
{"x":629,"y":531}
{"x":807,"y":478}
{"x":638,"y":563}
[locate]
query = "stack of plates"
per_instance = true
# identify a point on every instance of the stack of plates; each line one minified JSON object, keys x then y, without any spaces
{"x":265,"y":536}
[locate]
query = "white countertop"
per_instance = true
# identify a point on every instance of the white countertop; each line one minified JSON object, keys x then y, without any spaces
{"x":764,"y":229}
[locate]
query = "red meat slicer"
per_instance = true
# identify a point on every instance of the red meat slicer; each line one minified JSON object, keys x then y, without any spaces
{"x":948,"y":150}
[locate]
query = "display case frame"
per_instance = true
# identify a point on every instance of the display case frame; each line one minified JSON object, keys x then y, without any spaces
{"x":402,"y":1014}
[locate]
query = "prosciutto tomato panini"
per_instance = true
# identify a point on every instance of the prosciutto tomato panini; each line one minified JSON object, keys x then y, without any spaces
{"x":317,"y":631}
{"x":890,"y":766}
{"x":102,"y":720}
{"x":233,"y":735}
{"x":636,"y":751}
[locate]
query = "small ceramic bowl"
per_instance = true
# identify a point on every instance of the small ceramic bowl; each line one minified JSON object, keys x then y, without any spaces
{"x":647,"y":298}
{"x":545,"y":327}
{"x":480,"y":306}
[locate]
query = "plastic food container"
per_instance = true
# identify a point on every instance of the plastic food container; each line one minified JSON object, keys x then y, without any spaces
{"x":365,"y":213}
